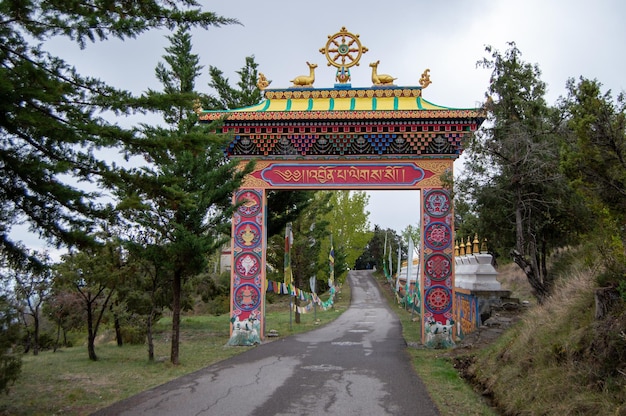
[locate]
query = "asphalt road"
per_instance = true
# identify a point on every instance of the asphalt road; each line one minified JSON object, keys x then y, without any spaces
{"x":356,"y":365}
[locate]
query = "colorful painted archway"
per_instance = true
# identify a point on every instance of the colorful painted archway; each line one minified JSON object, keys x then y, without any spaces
{"x":379,"y":137}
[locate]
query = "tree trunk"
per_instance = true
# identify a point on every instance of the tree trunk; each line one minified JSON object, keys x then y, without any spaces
{"x":118,"y":331}
{"x":91,"y":336}
{"x":149,"y":338}
{"x":176,"y":291}
{"x":36,"y":333}
{"x":297,"y":304}
{"x":56,"y":341}
{"x":532,"y":274}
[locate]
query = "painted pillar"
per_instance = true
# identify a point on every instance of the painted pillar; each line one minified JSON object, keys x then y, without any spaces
{"x":247,"y":288}
{"x":437,"y":268}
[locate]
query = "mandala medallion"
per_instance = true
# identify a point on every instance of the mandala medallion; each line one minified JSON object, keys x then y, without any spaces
{"x":248,"y":235}
{"x":438,"y":299}
{"x":247,"y":265}
{"x":250,"y":204}
{"x":438,"y":267}
{"x":437,"y":203}
{"x":247,"y":297}
{"x":437,"y":236}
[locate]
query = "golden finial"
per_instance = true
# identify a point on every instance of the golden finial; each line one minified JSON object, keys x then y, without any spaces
{"x":263,"y":82}
{"x":475,"y":244}
{"x":425,"y":78}
{"x":483,"y":247}
{"x":456,"y":249}
{"x":197,"y":106}
{"x":468,"y":246}
{"x":462,"y":248}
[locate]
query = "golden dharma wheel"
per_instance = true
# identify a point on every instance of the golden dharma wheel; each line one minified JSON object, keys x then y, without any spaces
{"x":343,"y":49}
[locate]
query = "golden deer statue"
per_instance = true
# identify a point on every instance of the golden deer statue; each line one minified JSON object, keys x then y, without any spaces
{"x":380,"y":79}
{"x":303,"y":80}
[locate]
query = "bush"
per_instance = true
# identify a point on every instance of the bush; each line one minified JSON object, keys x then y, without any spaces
{"x":134,"y":335}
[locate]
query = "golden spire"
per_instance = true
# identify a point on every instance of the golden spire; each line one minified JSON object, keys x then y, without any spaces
{"x":475,"y":244}
{"x":483,"y":247}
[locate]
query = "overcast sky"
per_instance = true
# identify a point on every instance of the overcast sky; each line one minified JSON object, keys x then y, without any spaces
{"x":566,"y":38}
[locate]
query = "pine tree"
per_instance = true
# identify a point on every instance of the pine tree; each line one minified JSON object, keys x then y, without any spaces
{"x":50,"y":123}
{"x":595,"y":162}
{"x":183,"y":198}
{"x":524,"y":203}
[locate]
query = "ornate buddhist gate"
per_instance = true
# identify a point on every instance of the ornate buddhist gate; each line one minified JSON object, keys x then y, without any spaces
{"x":379,"y":137}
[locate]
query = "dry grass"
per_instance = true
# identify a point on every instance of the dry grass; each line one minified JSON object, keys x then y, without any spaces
{"x":547,"y":365}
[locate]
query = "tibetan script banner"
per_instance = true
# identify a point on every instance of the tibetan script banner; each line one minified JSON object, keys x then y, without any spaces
{"x":336,"y":175}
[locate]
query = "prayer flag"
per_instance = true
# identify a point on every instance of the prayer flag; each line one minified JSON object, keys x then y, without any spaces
{"x":409,"y":265}
{"x":331,"y":262}
{"x":399,"y":267}
{"x":288,"y":243}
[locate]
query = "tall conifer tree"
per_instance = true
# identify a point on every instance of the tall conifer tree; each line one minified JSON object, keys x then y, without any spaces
{"x":183,"y":198}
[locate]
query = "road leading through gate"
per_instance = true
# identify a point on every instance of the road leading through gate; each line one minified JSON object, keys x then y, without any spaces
{"x":356,"y":365}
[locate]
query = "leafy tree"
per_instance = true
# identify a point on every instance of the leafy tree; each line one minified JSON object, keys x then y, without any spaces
{"x":413,"y":232}
{"x":309,"y":230}
{"x":64,"y":308}
{"x":50,"y":123}
{"x":349,"y":226}
{"x":32,"y":288}
{"x":595,"y":162}
{"x":150,"y":290}
{"x":94,"y":274}
{"x":10,"y":360}
{"x":183,"y":199}
{"x":522,"y":200}
{"x":284,"y":207}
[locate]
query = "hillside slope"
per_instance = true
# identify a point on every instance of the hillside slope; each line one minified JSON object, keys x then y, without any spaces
{"x":556,"y":358}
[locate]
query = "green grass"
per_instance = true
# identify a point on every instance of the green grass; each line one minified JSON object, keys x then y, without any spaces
{"x":68,"y":383}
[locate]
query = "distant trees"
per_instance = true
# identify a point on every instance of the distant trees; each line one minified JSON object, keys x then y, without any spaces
{"x":94,"y":275}
{"x":374,"y":252}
